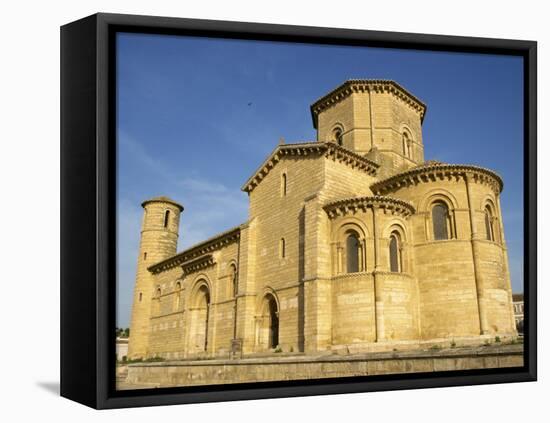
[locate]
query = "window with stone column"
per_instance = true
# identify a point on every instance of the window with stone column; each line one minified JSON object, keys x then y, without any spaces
{"x":395,"y":252}
{"x":441,"y":221}
{"x":353,"y":251}
{"x":491,"y":224}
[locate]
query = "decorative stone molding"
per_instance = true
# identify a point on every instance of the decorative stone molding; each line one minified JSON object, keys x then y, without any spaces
{"x":313,"y":148}
{"x":198,"y":264}
{"x":162,"y":199}
{"x":432,"y":171}
{"x":352,"y":205}
{"x":357,"y":275}
{"x":365,"y":85}
{"x":403,"y":275}
{"x":198,"y":250}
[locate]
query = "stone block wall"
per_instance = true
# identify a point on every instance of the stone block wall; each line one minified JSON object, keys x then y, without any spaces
{"x":277,"y":367}
{"x":340,"y":114}
{"x":171,"y":318}
{"x":353,"y":311}
{"x":159,"y":237}
{"x":400,"y":311}
{"x":375,"y":118}
{"x":447,"y":286}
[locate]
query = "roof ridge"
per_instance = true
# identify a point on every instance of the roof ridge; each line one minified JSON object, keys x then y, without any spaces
{"x":181,"y":258}
{"x":273,"y":158}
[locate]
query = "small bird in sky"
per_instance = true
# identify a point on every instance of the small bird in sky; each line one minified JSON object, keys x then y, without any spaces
{"x":250,"y":104}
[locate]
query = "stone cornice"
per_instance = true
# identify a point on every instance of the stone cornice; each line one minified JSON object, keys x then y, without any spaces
{"x":162,"y":199}
{"x":198,"y":250}
{"x":347,"y":206}
{"x":438,"y":171}
{"x":198,"y":264}
{"x":365,"y":85}
{"x":328,"y":149}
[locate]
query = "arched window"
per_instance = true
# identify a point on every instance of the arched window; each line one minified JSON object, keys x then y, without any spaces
{"x":395,"y":253}
{"x":282,"y":248}
{"x":337,"y":135}
{"x":441,"y":221}
{"x":233,"y":279}
{"x":283,"y":184}
{"x":352,"y":253}
{"x":407,"y":150}
{"x":156,"y":308}
{"x":489,"y":224}
{"x":166,"y":218}
{"x":140,"y":296}
{"x":177,"y":296}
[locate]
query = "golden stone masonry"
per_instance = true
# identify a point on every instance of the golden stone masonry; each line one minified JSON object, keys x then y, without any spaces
{"x":353,"y":244}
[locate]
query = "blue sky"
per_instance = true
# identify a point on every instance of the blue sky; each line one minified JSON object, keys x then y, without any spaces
{"x":185,"y":127}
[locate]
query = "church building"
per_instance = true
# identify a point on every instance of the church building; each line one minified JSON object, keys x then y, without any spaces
{"x":353,"y":243}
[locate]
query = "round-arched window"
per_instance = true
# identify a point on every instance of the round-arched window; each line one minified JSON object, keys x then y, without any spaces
{"x":233,"y":279}
{"x":405,"y":144}
{"x":337,"y":135}
{"x":352,"y":253}
{"x":489,"y":231}
{"x":440,"y":219}
{"x":283,"y":184}
{"x":395,"y":253}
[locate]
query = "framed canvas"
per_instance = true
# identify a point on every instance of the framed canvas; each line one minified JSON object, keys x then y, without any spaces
{"x":259,"y":211}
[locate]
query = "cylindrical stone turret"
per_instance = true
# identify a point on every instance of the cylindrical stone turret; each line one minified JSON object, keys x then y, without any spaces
{"x":159,"y":240}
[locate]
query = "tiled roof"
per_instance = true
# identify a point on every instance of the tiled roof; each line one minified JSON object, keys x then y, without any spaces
{"x":329,"y":149}
{"x":162,"y":199}
{"x":194,"y":252}
{"x":345,"y":205}
{"x":435,"y":169}
{"x":364,"y":85}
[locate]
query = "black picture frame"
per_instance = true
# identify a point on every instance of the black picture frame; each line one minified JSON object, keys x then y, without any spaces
{"x":88,"y":208}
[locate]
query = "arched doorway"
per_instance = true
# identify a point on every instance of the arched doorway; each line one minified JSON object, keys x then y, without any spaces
{"x":268,"y":323}
{"x":273,"y":339}
{"x":199,"y":319}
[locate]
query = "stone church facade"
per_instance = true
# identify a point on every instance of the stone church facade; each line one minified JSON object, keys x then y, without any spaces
{"x":353,"y":243}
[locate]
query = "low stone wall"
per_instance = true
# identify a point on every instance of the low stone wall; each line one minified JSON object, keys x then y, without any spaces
{"x":207,"y":372}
